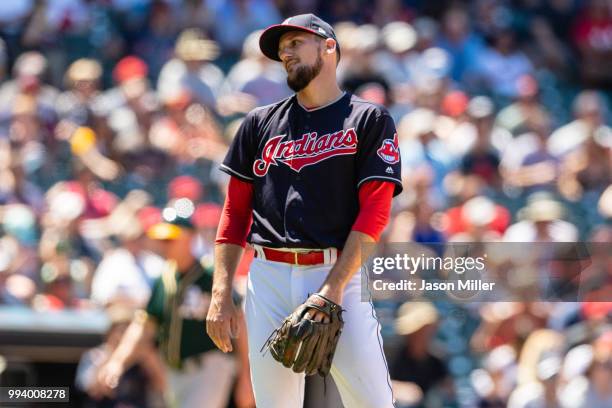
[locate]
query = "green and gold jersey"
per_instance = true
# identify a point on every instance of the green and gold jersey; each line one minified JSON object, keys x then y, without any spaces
{"x":178,"y":304}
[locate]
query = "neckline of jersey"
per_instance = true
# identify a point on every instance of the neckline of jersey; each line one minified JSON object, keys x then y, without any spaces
{"x":322,"y":106}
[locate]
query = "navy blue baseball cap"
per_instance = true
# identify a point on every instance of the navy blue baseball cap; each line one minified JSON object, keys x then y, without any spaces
{"x":309,"y":23}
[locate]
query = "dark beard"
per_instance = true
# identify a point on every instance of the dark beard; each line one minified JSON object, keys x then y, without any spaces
{"x":304,"y":74}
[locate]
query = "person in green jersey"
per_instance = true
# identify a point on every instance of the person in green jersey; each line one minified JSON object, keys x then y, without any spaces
{"x":198,"y":374}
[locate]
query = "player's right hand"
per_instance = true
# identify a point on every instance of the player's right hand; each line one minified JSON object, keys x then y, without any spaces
{"x":222,"y":321}
{"x":108,"y":377}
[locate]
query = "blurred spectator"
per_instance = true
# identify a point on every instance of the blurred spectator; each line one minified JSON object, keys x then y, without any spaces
{"x":28,"y":83}
{"x":83,"y":83}
{"x":492,"y":15}
{"x":594,"y":388}
{"x":590,"y":110}
{"x":495,"y":381}
{"x":155,"y":44}
{"x":425,"y":228}
{"x":15,"y":187}
{"x":482,"y":160}
{"x":422,"y":149}
{"x":188,"y":132}
{"x":77,"y":110}
{"x":28,"y":134}
{"x":541,"y":222}
{"x":62,"y":29}
{"x":478,"y":219}
{"x":20,"y":222}
{"x":538,"y":169}
{"x":235,"y":19}
{"x":576,"y":362}
{"x":126,"y":272}
{"x":544,"y":391}
{"x":19,"y":262}
{"x":399,"y":38}
{"x":588,"y":169}
{"x":560,"y":14}
{"x":507,"y":323}
{"x":362,"y":69}
{"x":522,"y":115}
{"x":428,"y":65}
{"x":457,"y":127}
{"x":591,"y":35}
{"x":417,"y":368}
{"x":61,"y":238}
{"x":538,"y":345}
{"x":464,"y":46}
{"x":596,"y":279}
{"x":386,"y":11}
{"x":194,"y":13}
{"x":58,"y":292}
{"x":90,"y":166}
{"x":547,"y":51}
{"x":13,"y":16}
{"x":503,"y":64}
{"x":191,"y":70}
{"x":255,"y":76}
{"x":98,"y":202}
{"x":129,"y":107}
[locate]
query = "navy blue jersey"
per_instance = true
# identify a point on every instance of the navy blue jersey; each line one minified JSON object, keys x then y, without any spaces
{"x":306,"y":167}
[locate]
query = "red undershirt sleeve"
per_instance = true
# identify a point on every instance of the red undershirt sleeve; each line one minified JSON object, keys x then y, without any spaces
{"x":237,"y":213}
{"x":374,"y":207}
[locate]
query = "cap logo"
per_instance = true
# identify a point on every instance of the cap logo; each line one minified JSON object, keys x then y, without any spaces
{"x":322,"y":31}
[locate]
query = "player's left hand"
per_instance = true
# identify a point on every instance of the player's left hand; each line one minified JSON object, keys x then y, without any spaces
{"x":305,"y":345}
{"x":331,"y":294}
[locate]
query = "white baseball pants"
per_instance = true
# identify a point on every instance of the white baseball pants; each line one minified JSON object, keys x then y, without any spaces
{"x":359,"y":369}
{"x":207,"y":384}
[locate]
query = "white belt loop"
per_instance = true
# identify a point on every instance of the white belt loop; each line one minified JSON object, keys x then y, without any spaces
{"x":260,"y":252}
{"x":333,"y":255}
{"x":326,"y":256}
{"x":330,"y":256}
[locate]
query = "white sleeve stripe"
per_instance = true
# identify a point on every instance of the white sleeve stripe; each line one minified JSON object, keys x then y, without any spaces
{"x":223,"y":166}
{"x":397,"y":181}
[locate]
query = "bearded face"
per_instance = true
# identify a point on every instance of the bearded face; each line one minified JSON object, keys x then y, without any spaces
{"x":300,"y":75}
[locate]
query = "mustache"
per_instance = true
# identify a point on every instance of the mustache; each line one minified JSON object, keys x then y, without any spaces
{"x":290,"y":62}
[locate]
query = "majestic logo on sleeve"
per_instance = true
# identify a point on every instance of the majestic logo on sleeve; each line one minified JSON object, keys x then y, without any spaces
{"x":306,"y":151}
{"x":389,"y":151}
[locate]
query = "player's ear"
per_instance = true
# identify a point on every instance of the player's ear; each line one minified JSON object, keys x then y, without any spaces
{"x":330,"y":46}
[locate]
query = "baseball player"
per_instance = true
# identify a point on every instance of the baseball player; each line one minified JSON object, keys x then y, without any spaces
{"x":198,"y":374}
{"x":313,"y":177}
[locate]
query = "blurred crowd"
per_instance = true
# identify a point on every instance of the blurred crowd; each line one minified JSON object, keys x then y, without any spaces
{"x":112,"y":109}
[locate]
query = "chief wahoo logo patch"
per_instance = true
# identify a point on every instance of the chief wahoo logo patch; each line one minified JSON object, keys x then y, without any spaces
{"x":389,"y":151}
